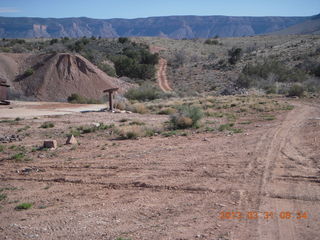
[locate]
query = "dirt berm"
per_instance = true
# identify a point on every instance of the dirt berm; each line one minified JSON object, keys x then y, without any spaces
{"x":54,"y":77}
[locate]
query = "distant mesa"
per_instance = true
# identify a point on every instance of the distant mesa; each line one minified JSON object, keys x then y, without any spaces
{"x":177,"y":27}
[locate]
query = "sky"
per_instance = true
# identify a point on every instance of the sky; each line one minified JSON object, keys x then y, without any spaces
{"x":105,"y":9}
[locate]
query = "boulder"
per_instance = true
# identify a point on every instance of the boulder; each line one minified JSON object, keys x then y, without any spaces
{"x":52,"y":144}
{"x":72,"y":140}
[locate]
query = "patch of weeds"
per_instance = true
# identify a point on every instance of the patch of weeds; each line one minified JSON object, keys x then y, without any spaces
{"x":42,"y":207}
{"x":167,"y":111}
{"x":137,"y":122}
{"x":124,"y":120}
{"x":120,"y":238}
{"x":268,"y":117}
{"x":214,"y":114}
{"x":47,"y":187}
{"x":47,"y":125}
{"x":236,"y":130}
{"x":2,"y":148}
{"x":23,"y":129}
{"x":23,"y":206}
{"x":18,"y":156}
{"x":169,"y":133}
{"x":231,"y":117}
{"x":287,"y":107}
{"x":89,"y":129}
{"x":229,"y":127}
{"x":3,"y":196}
{"x":209,"y":129}
{"x":18,"y":119}
{"x":245,"y":122}
{"x":225,"y":127}
{"x":18,"y":148}
{"x":8,"y":189}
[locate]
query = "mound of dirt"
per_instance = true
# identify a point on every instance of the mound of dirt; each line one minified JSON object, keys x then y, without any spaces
{"x":54,"y":77}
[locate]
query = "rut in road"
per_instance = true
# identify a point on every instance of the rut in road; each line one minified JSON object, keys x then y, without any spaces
{"x":283,"y":158}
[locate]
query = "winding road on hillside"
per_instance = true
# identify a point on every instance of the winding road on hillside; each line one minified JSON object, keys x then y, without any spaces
{"x":162,"y":75}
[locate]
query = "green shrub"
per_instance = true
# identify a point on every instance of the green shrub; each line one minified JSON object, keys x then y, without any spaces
{"x":145,"y":92}
{"x":47,"y":125}
{"x":296,"y":90}
{"x":234,"y":55}
{"x":3,"y":197}
{"x":211,"y":42}
{"x":2,"y":148}
{"x":167,"y":111}
{"x":18,"y":156}
{"x":28,"y":72}
{"x":108,"y":69}
{"x":187,"y":116}
{"x":23,"y":206}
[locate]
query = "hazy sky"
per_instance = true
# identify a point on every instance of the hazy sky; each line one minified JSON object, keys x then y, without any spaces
{"x":146,"y":8}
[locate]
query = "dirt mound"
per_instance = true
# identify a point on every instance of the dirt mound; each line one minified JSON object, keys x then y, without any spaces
{"x":54,"y":77}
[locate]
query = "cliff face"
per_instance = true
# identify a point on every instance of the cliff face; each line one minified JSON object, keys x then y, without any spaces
{"x":173,"y":27}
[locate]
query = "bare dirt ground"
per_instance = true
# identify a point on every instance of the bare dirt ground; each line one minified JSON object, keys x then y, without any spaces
{"x":181,"y":187}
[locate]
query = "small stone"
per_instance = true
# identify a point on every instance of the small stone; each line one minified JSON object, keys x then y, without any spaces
{"x":52,"y":144}
{"x":72,"y":140}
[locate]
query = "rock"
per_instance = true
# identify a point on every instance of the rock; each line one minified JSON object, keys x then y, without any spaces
{"x":52,"y":144}
{"x":72,"y":140}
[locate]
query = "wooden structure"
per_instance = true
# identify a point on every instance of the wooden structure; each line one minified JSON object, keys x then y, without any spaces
{"x":4,"y":93}
{"x":110,"y":91}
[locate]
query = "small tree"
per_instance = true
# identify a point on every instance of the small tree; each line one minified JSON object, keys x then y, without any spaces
{"x":234,"y":55}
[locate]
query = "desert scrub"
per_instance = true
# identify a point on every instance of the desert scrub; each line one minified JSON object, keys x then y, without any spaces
{"x":28,"y":72}
{"x":89,"y":129}
{"x":139,"y":108}
{"x":167,"y":111}
{"x":2,"y":148}
{"x":229,"y":127}
{"x":23,"y":129}
{"x":23,"y":206}
{"x":47,"y":125}
{"x":186,"y":117}
{"x":135,"y":131}
{"x":145,"y":92}
{"x":3,"y":196}
{"x":268,"y":117}
{"x":296,"y":90}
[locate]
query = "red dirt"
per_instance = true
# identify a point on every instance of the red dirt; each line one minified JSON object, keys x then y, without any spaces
{"x":169,"y":188}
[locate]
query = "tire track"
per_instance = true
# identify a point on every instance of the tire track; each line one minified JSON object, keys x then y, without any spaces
{"x":162,"y":76}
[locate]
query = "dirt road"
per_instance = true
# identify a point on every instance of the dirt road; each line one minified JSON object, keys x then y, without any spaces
{"x":162,"y":76}
{"x":181,"y":187}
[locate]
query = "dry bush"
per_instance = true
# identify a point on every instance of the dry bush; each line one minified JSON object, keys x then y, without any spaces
{"x":167,"y":111}
{"x":139,"y":108}
{"x":120,"y":105}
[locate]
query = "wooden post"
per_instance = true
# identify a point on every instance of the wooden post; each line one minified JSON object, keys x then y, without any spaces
{"x":110,"y":92}
{"x":110,"y":101}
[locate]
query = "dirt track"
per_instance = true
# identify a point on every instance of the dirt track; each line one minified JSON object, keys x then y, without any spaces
{"x":162,"y":76}
{"x":173,"y":188}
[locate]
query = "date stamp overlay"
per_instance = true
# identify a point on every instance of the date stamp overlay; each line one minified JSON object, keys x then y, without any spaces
{"x":253,"y":215}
